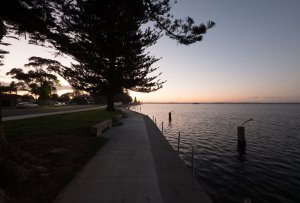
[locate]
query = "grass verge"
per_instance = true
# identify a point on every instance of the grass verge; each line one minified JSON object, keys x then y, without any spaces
{"x":48,"y":152}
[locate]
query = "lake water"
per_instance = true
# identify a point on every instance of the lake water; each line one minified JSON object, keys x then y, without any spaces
{"x":268,"y":170}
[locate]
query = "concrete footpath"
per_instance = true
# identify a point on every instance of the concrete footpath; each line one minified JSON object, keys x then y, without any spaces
{"x":136,"y":165}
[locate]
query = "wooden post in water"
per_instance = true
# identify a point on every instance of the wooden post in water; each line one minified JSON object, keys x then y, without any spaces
{"x":178,"y":143}
{"x":241,"y":137}
{"x":155,"y":121}
{"x":162,"y":127}
{"x":170,"y":116}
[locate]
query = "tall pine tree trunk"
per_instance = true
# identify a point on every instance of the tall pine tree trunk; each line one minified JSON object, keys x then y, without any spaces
{"x":110,"y":101}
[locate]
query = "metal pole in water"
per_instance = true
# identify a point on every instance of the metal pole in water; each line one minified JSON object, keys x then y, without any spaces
{"x":170,"y":116}
{"x":162,"y":127}
{"x":178,"y":142}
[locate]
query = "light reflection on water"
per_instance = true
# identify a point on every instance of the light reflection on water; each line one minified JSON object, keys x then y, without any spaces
{"x":268,"y":171}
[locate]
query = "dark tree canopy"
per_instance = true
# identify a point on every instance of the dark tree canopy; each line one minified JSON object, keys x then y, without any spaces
{"x":123,"y":97}
{"x":109,"y":47}
{"x":38,"y":82}
{"x":107,"y":38}
{"x":184,"y":31}
{"x":33,"y":18}
{"x":41,"y":19}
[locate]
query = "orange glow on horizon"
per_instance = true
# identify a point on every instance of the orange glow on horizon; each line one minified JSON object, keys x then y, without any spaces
{"x":155,"y":98}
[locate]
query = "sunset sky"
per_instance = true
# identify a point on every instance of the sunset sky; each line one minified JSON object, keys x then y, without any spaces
{"x":252,"y":55}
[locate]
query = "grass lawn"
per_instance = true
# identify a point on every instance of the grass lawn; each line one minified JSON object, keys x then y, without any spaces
{"x":51,"y":151}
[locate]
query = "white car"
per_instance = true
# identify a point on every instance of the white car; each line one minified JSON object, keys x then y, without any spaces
{"x":26,"y":105}
{"x":58,"y":104}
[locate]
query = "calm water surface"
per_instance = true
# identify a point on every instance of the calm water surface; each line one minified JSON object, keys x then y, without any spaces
{"x":269,"y":169}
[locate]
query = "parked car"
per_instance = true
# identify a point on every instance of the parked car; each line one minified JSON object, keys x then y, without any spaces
{"x":26,"y":105}
{"x":58,"y":104}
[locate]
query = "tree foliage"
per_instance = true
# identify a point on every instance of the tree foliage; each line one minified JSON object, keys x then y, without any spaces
{"x":38,"y":82}
{"x":35,"y":19}
{"x":123,"y":97}
{"x":184,"y":31}
{"x":108,"y":39}
{"x":109,"y":48}
{"x":66,"y":97}
{"x":12,"y":88}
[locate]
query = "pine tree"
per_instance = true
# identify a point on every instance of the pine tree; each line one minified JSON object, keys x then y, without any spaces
{"x":109,"y":39}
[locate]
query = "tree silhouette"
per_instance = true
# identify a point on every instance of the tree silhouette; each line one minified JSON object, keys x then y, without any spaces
{"x":109,"y":39}
{"x":13,"y":87}
{"x":105,"y":38}
{"x":35,"y":19}
{"x":66,"y":97}
{"x":123,"y":97}
{"x":38,"y":82}
{"x":8,"y":89}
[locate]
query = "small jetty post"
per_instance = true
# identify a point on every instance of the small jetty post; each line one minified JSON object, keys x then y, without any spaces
{"x":241,"y":135}
{"x":178,"y":142}
{"x":162,"y":127}
{"x":170,"y":116}
{"x":155,"y":121}
{"x":153,"y":118}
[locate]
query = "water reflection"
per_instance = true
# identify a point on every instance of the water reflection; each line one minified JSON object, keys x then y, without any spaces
{"x":242,"y":156}
{"x":266,"y":171}
{"x":241,"y":148}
